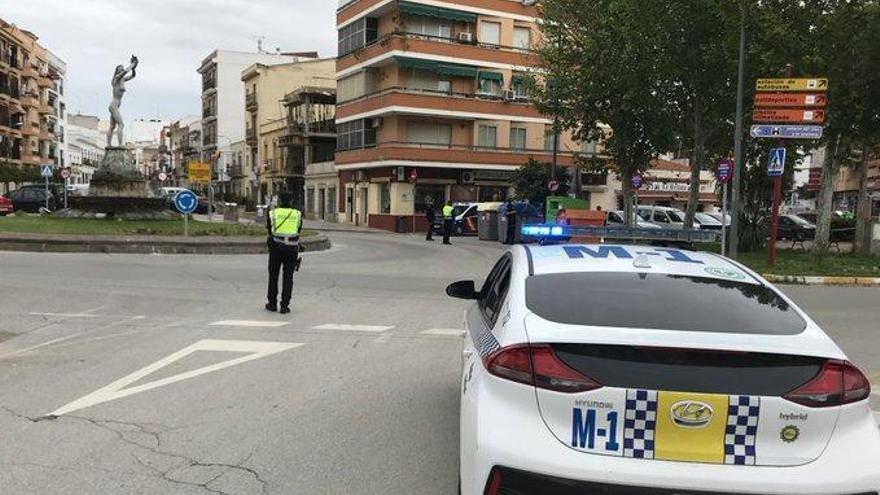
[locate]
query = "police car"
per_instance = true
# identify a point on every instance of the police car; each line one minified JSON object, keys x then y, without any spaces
{"x":633,"y":370}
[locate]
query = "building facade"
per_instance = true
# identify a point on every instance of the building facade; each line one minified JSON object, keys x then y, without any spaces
{"x":223,"y":105}
{"x":85,"y":144}
{"x":432,"y":105}
{"x":185,"y":146}
{"x":265,"y":118}
{"x":32,"y":111}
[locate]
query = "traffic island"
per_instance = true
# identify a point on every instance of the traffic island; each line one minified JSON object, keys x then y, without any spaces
{"x":146,"y":244}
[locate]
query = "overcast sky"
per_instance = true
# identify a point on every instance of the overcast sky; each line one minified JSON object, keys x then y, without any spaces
{"x":170,"y":37}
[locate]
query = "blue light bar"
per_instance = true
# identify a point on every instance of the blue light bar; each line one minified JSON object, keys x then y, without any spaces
{"x":542,"y":231}
{"x":621,"y":233}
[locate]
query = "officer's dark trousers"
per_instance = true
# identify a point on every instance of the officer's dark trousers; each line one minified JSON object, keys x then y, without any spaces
{"x":280,"y":256}
{"x":447,"y":230}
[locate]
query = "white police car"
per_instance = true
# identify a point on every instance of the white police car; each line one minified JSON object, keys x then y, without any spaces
{"x":634,"y":370}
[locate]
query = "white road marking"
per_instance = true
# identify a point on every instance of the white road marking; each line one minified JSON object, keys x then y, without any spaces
{"x":448,"y":332}
{"x":383,"y":339}
{"x":117,"y":390}
{"x":249,"y":323}
{"x":353,"y":328}
{"x":39,"y":346}
{"x":66,"y":315}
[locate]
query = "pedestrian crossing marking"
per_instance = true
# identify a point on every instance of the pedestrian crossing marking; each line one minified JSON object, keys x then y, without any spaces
{"x":249,"y":323}
{"x":353,"y":328}
{"x":118,"y":390}
{"x":446,"y":332}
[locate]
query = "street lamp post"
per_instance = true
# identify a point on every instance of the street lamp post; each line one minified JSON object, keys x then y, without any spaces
{"x":739,"y":165}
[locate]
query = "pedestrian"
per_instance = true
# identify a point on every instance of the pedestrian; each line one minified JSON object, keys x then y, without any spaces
{"x":510,"y":214}
{"x":430,"y":216}
{"x":448,"y":220}
{"x":285,"y":225}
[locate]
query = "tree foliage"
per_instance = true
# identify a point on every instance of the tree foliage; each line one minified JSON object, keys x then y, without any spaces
{"x":531,"y":179}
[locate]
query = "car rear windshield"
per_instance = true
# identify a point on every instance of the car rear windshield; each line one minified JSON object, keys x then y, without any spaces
{"x":661,"y":302}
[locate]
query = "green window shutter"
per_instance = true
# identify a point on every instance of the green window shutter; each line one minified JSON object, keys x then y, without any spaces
{"x":415,"y":63}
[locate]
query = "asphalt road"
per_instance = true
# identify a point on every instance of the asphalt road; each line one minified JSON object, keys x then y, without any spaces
{"x":132,"y":374}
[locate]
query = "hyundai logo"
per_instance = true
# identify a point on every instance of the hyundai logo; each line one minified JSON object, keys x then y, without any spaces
{"x":692,"y":414}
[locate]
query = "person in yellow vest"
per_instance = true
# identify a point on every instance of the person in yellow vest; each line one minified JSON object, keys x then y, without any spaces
{"x":448,"y":221}
{"x":285,"y":225}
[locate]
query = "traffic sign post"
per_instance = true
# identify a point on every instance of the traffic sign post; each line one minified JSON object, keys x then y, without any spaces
{"x":414,"y":179}
{"x":775,"y":169}
{"x":65,"y":174}
{"x":724,"y":174}
{"x":46,"y":172}
{"x":787,"y":131}
{"x":186,"y":202}
{"x":637,"y":182}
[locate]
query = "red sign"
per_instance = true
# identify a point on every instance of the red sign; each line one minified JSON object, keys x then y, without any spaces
{"x":783,"y":100}
{"x":413,"y":176}
{"x":788,"y":116}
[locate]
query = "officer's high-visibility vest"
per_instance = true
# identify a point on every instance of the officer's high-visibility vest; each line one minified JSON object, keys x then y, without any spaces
{"x":448,"y":212}
{"x":285,"y":222}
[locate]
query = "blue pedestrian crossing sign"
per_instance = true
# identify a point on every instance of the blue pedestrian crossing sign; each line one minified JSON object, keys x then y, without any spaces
{"x":186,"y":202}
{"x":776,"y":165}
{"x":46,"y":171}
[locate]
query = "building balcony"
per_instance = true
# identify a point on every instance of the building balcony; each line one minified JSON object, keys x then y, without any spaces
{"x":209,"y":84}
{"x":250,"y":136}
{"x":46,"y":109}
{"x":322,"y":128}
{"x":209,"y":113}
{"x":29,"y":130}
{"x":473,"y":156}
{"x":44,"y":82}
{"x":447,"y":48}
{"x":250,"y":101}
{"x":29,"y":71}
{"x":29,"y":100}
{"x":409,"y":100}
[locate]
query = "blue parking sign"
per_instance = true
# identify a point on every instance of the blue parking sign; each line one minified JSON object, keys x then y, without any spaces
{"x":776,"y":165}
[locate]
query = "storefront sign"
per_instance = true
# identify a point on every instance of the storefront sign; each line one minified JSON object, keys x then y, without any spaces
{"x":668,"y":186}
{"x":493,"y":175}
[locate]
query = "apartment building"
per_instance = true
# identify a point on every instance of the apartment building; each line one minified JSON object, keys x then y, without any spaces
{"x":223,"y":101}
{"x":32,"y":113}
{"x":265,"y":119}
{"x":310,"y":139}
{"x":432,"y":105}
{"x":85,"y":144}
{"x":185,"y":142}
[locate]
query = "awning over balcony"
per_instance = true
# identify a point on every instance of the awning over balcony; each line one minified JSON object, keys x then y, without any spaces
{"x":430,"y":11}
{"x":491,"y":76}
{"x":445,"y":69}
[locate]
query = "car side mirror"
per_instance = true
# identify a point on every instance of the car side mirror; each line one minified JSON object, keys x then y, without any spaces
{"x":463,"y":290}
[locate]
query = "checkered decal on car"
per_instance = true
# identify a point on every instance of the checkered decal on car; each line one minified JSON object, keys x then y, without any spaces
{"x":486,"y":342}
{"x":742,"y":430}
{"x":640,"y":424}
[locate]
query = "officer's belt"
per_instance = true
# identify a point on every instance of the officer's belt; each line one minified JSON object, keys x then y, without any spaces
{"x":288,"y":240}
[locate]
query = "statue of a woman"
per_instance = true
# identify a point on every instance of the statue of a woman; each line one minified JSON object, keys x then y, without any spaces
{"x":119,"y":77}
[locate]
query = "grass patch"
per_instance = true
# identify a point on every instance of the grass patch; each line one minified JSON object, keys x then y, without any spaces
{"x":804,"y":263}
{"x":33,"y":224}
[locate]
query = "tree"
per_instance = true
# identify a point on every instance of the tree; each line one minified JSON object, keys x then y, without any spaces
{"x":700,"y":57}
{"x":606,"y":71}
{"x":530,"y":182}
{"x":846,"y":49}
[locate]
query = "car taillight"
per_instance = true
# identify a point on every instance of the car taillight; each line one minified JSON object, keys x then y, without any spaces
{"x":539,"y":366}
{"x":493,"y":487}
{"x":837,"y":384}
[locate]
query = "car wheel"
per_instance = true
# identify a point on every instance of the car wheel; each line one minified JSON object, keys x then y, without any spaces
{"x":459,"y":230}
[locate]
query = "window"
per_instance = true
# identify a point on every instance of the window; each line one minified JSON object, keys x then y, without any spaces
{"x":429,"y":26}
{"x":357,"y":85}
{"x":643,"y":301}
{"x":494,"y":290}
{"x":520,"y":87}
{"x":490,"y":86}
{"x":429,"y":193}
{"x":355,"y":135}
{"x":384,"y":198}
{"x":444,"y":86}
{"x":428,"y":81}
{"x":487,"y":136}
{"x":358,"y":34}
{"x":517,"y":138}
{"x":490,"y":33}
{"x":549,"y":136}
{"x":589,"y":147}
{"x":429,"y":133}
{"x":660,"y":217}
{"x":522,"y":38}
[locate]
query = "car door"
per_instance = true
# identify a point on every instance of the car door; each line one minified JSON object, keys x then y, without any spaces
{"x":660,"y":218}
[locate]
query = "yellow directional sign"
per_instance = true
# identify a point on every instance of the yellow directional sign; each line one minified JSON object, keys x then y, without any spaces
{"x":199,"y":173}
{"x":792,"y":84}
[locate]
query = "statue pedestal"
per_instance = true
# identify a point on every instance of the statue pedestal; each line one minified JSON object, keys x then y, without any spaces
{"x":118,"y":190}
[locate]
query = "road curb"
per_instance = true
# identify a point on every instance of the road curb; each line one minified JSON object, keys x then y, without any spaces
{"x":147,"y":244}
{"x":810,"y":280}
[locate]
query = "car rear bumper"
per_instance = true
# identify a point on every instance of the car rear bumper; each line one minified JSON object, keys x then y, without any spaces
{"x":516,"y":439}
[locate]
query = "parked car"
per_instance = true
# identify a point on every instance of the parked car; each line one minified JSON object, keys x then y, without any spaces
{"x":465,"y":215}
{"x":31,"y":200}
{"x":795,"y":228}
{"x":615,"y":219}
{"x":6,"y":206}
{"x":708,"y":222}
{"x":662,"y":216}
{"x":78,"y":190}
{"x":725,"y":219}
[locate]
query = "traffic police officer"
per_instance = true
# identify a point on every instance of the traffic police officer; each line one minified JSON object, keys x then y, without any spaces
{"x":284,"y":224}
{"x":448,"y":220}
